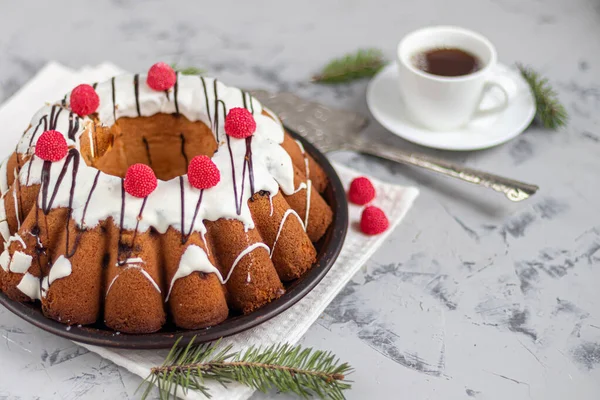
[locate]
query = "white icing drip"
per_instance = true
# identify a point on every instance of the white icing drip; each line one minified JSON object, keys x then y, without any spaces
{"x":135,"y":260}
{"x":143,"y":271}
{"x":16,"y":200}
{"x":273,"y":168}
{"x":285,"y":215}
{"x":5,"y":260}
{"x":271,"y":204}
{"x":30,"y":286}
{"x":205,"y":245}
{"x":4,"y":177}
{"x":308,"y":182}
{"x":308,"y":189}
{"x":61,"y":269}
{"x":91,"y":138}
{"x":20,"y":262}
{"x":248,"y":279}
{"x":306,"y":167}
{"x":193,"y":259}
{"x":300,"y":187}
{"x":4,"y":230}
{"x":15,"y":238}
{"x":244,"y":252}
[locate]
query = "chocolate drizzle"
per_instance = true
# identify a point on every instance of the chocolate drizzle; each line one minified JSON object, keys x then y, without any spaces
{"x":53,"y":118}
{"x":43,"y":119}
{"x":73,"y":155}
{"x":247,"y":165}
{"x":73,"y":126}
{"x":87,"y":202}
{"x":124,"y":248}
{"x":185,"y":237}
{"x":248,"y":160}
{"x":238,"y":206}
{"x":147,"y":145}
{"x":244,"y":94}
{"x":114,"y":96}
{"x":185,"y":157}
{"x":175,"y":92}
{"x":216,"y":117}
{"x":136,"y":90}
{"x":207,"y":105}
{"x":69,"y":254}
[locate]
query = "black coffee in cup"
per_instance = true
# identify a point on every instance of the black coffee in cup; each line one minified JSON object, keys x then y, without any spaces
{"x":447,"y":62}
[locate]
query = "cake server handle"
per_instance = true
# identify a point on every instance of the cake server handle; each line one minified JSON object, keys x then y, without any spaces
{"x":512,"y":189}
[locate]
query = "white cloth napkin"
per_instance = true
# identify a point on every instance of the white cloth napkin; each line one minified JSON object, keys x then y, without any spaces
{"x":54,"y":80}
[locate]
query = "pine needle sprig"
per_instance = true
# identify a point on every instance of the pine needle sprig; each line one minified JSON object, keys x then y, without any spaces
{"x":286,"y":368}
{"x":549,"y":111}
{"x":188,"y":70}
{"x":364,"y":63}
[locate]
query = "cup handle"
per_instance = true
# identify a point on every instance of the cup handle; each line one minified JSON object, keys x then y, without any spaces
{"x":506,"y":86}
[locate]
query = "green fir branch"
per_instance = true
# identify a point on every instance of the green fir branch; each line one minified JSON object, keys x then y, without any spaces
{"x":188,"y":70}
{"x":286,"y":368}
{"x":364,"y":63}
{"x":549,"y":111}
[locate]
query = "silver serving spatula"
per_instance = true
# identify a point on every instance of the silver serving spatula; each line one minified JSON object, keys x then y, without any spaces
{"x":330,"y":129}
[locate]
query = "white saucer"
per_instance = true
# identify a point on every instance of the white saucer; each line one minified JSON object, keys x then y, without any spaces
{"x":383,"y":99}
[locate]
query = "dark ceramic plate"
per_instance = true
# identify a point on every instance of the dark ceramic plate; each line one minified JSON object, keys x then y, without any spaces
{"x":328,"y":250}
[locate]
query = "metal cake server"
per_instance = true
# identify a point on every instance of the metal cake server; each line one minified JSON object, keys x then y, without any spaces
{"x":330,"y":129}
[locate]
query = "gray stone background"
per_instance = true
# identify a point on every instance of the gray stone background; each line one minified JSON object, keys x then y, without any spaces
{"x":472,"y":296}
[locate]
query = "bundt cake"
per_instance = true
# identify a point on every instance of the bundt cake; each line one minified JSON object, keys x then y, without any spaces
{"x":154,"y":197}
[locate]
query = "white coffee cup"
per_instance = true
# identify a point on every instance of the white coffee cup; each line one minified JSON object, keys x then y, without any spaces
{"x":440,"y":102}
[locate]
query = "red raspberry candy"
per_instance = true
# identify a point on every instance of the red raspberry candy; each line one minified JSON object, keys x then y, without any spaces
{"x":203,"y":173}
{"x":361,"y":191}
{"x":373,"y":221}
{"x":239,"y":123}
{"x":161,"y":76}
{"x":84,"y":100}
{"x":51,"y":146}
{"x":140,"y":180}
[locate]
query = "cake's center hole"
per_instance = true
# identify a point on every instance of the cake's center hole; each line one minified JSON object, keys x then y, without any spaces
{"x":164,"y":142}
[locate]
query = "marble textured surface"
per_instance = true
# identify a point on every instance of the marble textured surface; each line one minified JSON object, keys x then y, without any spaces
{"x":472,"y":297}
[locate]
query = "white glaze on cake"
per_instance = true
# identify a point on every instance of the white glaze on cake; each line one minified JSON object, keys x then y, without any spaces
{"x":20,"y":262}
{"x":193,"y":259}
{"x":244,"y":252}
{"x":15,"y":238}
{"x":4,"y":229}
{"x":60,"y":269}
{"x":5,"y":260}
{"x":30,"y":286}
